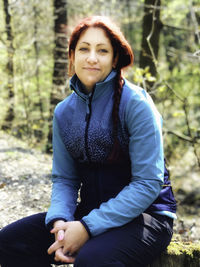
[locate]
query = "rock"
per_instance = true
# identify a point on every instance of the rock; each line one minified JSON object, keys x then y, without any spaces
{"x":179,"y":254}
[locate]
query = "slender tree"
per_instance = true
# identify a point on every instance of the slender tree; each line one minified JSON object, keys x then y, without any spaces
{"x":9,"y":117}
{"x":60,"y":60}
{"x":37,"y":57}
{"x":151,"y":26}
{"x":129,"y":15}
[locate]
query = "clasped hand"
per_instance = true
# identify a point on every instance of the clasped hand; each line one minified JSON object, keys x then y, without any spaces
{"x":69,"y":238}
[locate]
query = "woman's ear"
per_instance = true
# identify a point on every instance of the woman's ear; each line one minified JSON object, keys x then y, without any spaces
{"x":115,"y":60}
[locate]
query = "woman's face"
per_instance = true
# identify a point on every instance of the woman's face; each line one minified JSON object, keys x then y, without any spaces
{"x":93,"y":58}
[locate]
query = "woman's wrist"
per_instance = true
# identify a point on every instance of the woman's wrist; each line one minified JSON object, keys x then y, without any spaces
{"x":86,"y":227}
{"x":58,"y":222}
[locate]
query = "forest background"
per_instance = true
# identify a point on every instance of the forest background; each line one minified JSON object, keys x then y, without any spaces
{"x":164,"y":35}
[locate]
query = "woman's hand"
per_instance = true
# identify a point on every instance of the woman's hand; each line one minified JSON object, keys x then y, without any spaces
{"x":60,"y":234}
{"x":70,"y":237}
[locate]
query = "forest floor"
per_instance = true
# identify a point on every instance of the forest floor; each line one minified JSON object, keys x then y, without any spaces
{"x":25,"y":187}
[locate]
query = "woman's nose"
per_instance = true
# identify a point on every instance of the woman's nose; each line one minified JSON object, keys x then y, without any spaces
{"x":92,"y":57}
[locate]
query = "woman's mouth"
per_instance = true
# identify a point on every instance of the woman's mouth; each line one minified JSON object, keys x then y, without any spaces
{"x":91,"y":69}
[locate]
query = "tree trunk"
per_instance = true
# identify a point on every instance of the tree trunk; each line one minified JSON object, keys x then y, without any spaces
{"x":60,"y":61}
{"x":9,"y":117}
{"x":151,"y":29}
{"x":39,"y":131}
{"x":37,"y":70}
{"x":130,"y":25}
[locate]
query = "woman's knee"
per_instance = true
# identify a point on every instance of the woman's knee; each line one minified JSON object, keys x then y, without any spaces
{"x":90,"y":261}
{"x":4,"y":237}
{"x":25,"y":236}
{"x":90,"y":256}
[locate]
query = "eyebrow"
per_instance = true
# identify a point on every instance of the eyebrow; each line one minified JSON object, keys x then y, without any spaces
{"x":89,"y":43}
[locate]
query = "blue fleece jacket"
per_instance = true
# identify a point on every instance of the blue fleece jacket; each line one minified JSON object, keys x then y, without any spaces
{"x":82,"y":135}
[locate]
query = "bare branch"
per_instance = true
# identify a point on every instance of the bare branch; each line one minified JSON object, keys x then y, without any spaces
{"x":194,"y":20}
{"x":183,"y":137}
{"x":185,"y":108}
{"x":187,"y":29}
{"x":190,"y":138}
{"x":3,"y":41}
{"x":174,"y":92}
{"x":150,"y":35}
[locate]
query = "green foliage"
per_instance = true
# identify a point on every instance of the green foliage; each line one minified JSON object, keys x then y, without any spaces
{"x":175,"y":89}
{"x":141,"y":76}
{"x":33,"y":69}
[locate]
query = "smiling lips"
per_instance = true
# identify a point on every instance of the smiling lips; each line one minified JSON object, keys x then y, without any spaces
{"x":91,"y":69}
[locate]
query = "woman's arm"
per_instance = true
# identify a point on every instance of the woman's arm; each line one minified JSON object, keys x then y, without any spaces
{"x":65,"y":180}
{"x":147,"y":165}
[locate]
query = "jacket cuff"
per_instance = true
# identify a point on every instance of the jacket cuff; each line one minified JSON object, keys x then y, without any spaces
{"x":86,"y":227}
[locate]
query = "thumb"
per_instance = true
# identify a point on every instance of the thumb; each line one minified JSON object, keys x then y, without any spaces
{"x":60,"y":235}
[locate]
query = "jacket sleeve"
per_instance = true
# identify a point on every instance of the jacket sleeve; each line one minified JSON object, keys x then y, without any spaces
{"x":65,"y":181}
{"x":147,"y":167}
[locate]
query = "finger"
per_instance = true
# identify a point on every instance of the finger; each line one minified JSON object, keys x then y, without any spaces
{"x":59,"y":256}
{"x":68,"y":251}
{"x":59,"y":227}
{"x":56,"y":245}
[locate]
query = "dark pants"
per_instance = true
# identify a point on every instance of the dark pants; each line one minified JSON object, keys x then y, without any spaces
{"x":24,"y":243}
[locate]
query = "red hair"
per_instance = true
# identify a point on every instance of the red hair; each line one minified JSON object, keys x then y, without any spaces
{"x":121,"y":49}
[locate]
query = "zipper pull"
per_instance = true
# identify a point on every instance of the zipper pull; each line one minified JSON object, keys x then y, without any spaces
{"x":87,"y":109}
{"x":88,"y":106}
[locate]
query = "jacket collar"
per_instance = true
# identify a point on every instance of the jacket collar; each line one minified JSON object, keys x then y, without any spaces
{"x":99,"y":89}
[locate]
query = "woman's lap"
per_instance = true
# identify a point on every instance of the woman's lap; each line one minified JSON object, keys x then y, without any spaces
{"x":134,"y":244}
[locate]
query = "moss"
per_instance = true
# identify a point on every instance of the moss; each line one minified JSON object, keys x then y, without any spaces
{"x":179,"y":254}
{"x":187,"y":248}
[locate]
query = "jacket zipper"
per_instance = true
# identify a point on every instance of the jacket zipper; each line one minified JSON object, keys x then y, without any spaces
{"x":88,"y":101}
{"x":87,"y":119}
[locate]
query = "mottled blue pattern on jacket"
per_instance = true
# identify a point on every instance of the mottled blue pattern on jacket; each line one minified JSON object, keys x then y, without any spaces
{"x":100,"y":139}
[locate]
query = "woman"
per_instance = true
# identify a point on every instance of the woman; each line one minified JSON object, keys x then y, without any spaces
{"x":107,"y":143}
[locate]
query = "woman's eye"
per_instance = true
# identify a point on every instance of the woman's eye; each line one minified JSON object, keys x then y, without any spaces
{"x":103,"y":51}
{"x":83,"y":49}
